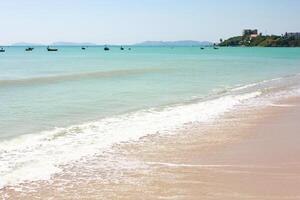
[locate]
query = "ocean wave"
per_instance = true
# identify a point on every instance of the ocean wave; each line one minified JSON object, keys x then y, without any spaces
{"x":238,"y":88}
{"x":44,"y":152}
{"x":77,"y":76}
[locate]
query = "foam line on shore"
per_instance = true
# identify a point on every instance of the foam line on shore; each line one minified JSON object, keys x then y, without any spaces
{"x":213,"y":166}
{"x":282,"y":105}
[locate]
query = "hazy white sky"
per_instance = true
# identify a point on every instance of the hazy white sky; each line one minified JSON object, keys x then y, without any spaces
{"x":131,"y":21}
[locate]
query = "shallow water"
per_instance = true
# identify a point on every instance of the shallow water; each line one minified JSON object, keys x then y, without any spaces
{"x":59,"y":107}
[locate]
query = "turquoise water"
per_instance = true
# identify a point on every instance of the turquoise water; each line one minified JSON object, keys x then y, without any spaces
{"x":59,"y":108}
{"x":41,"y":90}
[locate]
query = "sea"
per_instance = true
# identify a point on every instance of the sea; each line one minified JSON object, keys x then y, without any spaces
{"x":60,"y":108}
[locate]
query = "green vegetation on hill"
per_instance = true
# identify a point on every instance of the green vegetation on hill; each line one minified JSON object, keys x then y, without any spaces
{"x":262,"y":41}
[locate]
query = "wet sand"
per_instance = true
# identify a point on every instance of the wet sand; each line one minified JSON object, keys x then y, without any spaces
{"x":252,"y":154}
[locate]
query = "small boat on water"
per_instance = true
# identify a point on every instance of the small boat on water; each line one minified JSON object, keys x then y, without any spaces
{"x":216,"y":48}
{"x":29,"y":49}
{"x":122,"y":48}
{"x":106,"y":48}
{"x":2,"y":50}
{"x":51,"y":49}
{"x":202,"y":48}
{"x":83,"y":48}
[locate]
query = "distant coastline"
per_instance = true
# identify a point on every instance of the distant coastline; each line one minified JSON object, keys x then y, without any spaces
{"x":175,"y":43}
{"x":187,"y":43}
{"x":55,"y":44}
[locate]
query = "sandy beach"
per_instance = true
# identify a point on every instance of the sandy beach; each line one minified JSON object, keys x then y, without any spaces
{"x":150,"y":100}
{"x":252,"y":154}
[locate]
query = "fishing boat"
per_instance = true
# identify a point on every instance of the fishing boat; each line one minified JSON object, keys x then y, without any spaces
{"x":106,"y":48}
{"x":122,"y":48}
{"x":29,"y":49}
{"x":2,"y":50}
{"x":51,"y":49}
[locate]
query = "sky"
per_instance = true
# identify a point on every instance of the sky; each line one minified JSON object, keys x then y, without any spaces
{"x":133,"y":21}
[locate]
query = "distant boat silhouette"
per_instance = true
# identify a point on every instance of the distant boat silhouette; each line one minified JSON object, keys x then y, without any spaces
{"x":216,"y":48}
{"x":51,"y":49}
{"x":29,"y":49}
{"x":106,"y":48}
{"x":2,"y":50}
{"x":83,"y":48}
{"x":202,"y":48}
{"x":122,"y":48}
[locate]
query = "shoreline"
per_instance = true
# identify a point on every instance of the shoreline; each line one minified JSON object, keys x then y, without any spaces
{"x":233,"y":159}
{"x":252,"y":154}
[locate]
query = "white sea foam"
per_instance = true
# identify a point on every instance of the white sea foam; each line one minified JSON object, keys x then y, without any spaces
{"x":38,"y":156}
{"x":243,"y":87}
